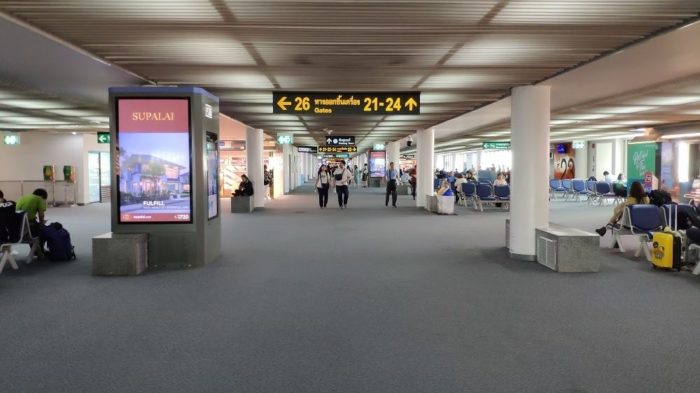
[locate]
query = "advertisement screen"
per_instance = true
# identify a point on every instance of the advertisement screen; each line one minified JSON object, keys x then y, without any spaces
{"x":154,"y":160}
{"x":377,"y":164}
{"x":212,"y":175}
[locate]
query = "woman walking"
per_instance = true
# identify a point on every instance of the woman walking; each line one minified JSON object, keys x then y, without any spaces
{"x":323,"y":183}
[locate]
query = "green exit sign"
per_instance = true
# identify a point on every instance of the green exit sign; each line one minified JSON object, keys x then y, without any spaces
{"x":103,"y":137}
{"x":496,"y":145}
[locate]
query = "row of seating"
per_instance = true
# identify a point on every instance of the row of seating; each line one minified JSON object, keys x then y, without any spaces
{"x":642,"y":221}
{"x":483,"y":193}
{"x":596,"y":192}
{"x":19,"y":235}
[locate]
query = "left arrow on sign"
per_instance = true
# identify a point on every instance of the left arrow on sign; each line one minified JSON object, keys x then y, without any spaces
{"x":103,"y":138}
{"x":283,"y":103}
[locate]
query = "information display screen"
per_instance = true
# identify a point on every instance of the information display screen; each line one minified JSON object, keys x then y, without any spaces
{"x":212,"y":175}
{"x":377,"y":164}
{"x":153,"y":136}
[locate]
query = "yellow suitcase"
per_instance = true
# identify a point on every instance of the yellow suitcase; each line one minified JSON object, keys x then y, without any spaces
{"x":666,"y":250}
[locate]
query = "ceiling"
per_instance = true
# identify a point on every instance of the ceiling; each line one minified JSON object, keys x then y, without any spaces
{"x":625,"y":115}
{"x":461,"y":55}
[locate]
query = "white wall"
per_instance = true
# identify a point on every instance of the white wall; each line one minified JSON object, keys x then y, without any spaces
{"x":581,"y":163}
{"x":603,"y":159}
{"x":26,"y":160}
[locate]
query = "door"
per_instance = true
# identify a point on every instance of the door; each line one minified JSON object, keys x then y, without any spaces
{"x":94,"y":177}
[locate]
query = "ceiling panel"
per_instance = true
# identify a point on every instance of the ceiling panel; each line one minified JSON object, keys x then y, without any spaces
{"x":460,"y":54}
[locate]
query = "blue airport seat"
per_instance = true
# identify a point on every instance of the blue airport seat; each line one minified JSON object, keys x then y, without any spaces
{"x":641,"y":221}
{"x":484,"y":194}
{"x":469,"y":193}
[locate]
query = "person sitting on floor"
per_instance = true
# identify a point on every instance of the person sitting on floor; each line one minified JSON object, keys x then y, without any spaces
{"x":245,"y":188}
{"x":637,"y":197}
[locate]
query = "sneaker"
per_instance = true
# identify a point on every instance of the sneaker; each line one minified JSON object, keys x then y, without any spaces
{"x":394,"y":205}
{"x":601,"y":231}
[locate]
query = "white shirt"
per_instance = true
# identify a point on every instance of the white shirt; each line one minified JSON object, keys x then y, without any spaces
{"x":346,"y":176}
{"x":323,"y":178}
{"x":609,"y":178}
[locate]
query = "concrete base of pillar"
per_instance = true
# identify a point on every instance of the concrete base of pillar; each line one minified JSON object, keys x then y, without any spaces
{"x":119,"y":254}
{"x":522,"y":257}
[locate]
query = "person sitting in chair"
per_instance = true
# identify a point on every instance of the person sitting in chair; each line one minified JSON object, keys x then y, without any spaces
{"x":637,"y":196}
{"x":245,"y":188}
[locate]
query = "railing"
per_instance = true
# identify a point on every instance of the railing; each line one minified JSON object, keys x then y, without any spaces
{"x":60,"y":192}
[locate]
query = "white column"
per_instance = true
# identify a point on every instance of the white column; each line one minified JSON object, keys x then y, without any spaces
{"x":393,"y":154}
{"x":287,"y":167}
{"x":254,"y":163}
{"x":425,"y":150}
{"x":529,"y":207}
{"x":581,"y":162}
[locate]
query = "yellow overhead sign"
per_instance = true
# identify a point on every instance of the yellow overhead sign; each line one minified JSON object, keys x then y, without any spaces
{"x":337,"y":149}
{"x":323,"y":104}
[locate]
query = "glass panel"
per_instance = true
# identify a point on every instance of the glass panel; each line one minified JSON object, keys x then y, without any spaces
{"x":105,"y":175}
{"x":94,"y":177}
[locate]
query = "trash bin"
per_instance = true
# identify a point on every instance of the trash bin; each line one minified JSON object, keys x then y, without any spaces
{"x":446,"y":204}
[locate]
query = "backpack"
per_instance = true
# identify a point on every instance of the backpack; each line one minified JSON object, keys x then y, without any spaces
{"x":659,"y":197}
{"x":58,"y":242}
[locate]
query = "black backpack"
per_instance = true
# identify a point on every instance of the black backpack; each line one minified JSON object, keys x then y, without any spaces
{"x":659,"y":197}
{"x":58,"y":242}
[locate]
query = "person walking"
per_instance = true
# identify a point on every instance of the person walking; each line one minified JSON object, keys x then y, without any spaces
{"x":357,"y":173}
{"x":392,"y":178}
{"x":342,"y":177}
{"x":323,"y":183}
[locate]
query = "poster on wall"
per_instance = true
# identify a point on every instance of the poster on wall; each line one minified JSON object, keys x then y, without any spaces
{"x":641,"y":164}
{"x":230,"y":172}
{"x":564,"y":156}
{"x":153,"y":136}
{"x":69,"y":173}
{"x":377,"y":164}
{"x":212,"y":176}
{"x":49,"y":173}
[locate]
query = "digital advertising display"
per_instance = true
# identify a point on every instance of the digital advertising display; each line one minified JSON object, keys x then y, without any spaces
{"x":153,"y":135}
{"x":377,"y":164}
{"x":212,"y":176}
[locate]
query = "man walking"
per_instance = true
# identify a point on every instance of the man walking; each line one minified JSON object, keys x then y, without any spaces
{"x":342,"y":177}
{"x":392,"y":177}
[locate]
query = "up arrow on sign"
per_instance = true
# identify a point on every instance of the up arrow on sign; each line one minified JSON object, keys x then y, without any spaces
{"x":329,"y":140}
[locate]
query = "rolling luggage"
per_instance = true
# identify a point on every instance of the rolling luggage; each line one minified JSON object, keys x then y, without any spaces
{"x":666,"y":250}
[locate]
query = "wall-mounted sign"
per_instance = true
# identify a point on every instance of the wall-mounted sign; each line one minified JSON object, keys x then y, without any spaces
{"x":379,"y":147}
{"x":154,"y":175}
{"x":208,"y":111}
{"x":346,"y":103}
{"x":69,"y":173}
{"x":337,"y":149}
{"x":307,"y":149}
{"x":285,"y":139}
{"x":496,"y":145}
{"x":49,"y":174}
{"x":237,"y":145}
{"x":104,"y":137}
{"x":342,"y":155}
{"x":408,"y":156}
{"x":578,"y":144}
{"x":377,"y":164}
{"x":340,"y":141}
{"x":11,"y":139}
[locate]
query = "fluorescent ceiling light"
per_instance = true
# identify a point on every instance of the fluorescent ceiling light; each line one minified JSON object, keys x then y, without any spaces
{"x":623,"y":109}
{"x":604,"y":126}
{"x":679,"y":136}
{"x":35,"y":104}
{"x":559,"y":122}
{"x":33,"y":120}
{"x":637,"y":122}
{"x":677,"y":100}
{"x":74,"y":112}
{"x":585,"y":116}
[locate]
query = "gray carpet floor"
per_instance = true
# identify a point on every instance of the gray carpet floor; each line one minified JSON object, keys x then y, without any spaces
{"x":367,"y":299}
